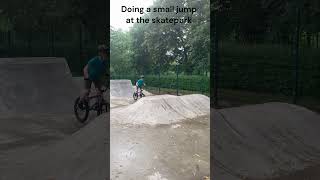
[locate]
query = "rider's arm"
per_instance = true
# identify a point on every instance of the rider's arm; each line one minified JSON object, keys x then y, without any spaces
{"x":85,"y":72}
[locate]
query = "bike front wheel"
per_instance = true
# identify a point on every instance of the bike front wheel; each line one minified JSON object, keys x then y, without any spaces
{"x":135,"y":96}
{"x":81,"y":110}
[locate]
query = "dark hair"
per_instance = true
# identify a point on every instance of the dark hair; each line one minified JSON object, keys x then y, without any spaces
{"x":102,"y":48}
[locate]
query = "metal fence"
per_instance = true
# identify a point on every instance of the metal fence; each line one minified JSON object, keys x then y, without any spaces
{"x":270,"y":70}
{"x":173,"y":83}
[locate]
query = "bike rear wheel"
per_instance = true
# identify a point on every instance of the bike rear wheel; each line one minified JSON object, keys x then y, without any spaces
{"x":81,"y":110}
{"x":104,"y":107}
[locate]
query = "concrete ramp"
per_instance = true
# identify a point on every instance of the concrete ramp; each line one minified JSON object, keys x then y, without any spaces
{"x":121,"y":93}
{"x":81,"y":156}
{"x":37,"y":85}
{"x":263,"y":141}
{"x":162,"y":109}
{"x":38,"y":135}
{"x":121,"y":89}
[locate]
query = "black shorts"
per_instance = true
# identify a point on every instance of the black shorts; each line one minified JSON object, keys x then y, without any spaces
{"x":88,"y":83}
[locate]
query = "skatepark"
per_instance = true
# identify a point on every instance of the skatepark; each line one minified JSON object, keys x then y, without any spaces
{"x":159,"y":137}
{"x":264,"y":141}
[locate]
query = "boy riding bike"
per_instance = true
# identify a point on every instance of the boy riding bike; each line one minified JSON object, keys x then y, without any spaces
{"x":95,"y":71}
{"x":140,"y":83}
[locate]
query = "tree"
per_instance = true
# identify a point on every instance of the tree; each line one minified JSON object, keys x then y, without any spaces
{"x":121,"y":52}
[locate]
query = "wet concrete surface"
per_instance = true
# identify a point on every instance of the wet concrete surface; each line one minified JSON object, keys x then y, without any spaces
{"x":161,"y":152}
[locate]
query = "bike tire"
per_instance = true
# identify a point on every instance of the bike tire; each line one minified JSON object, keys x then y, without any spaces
{"x":135,"y":96}
{"x":104,"y":108}
{"x":81,"y":119}
{"x":99,"y":112}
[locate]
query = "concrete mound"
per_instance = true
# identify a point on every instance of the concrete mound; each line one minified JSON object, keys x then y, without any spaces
{"x":37,"y":85}
{"x":81,"y":156}
{"x":163,"y":109}
{"x":262,"y":141}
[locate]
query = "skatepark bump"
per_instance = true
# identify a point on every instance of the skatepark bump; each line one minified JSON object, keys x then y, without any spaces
{"x":162,"y":109}
{"x":261,"y":141}
{"x":169,"y":151}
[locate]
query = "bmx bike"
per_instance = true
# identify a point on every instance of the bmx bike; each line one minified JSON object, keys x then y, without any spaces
{"x":82,"y":108}
{"x":138,"y":94}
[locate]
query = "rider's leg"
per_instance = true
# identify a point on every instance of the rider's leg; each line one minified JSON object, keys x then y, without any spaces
{"x":87,"y":88}
{"x":98,"y":86}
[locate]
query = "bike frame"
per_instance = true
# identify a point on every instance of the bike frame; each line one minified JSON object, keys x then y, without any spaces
{"x":100,"y":99}
{"x":140,"y":93}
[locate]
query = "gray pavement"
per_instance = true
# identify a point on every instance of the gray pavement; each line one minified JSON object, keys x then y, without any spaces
{"x":162,"y":152}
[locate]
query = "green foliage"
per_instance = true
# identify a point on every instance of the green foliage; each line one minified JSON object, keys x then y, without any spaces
{"x":156,"y":47}
{"x":121,"y":52}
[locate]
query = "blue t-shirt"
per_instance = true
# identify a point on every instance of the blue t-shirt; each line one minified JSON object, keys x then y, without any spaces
{"x":97,"y":68}
{"x":140,"y":82}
